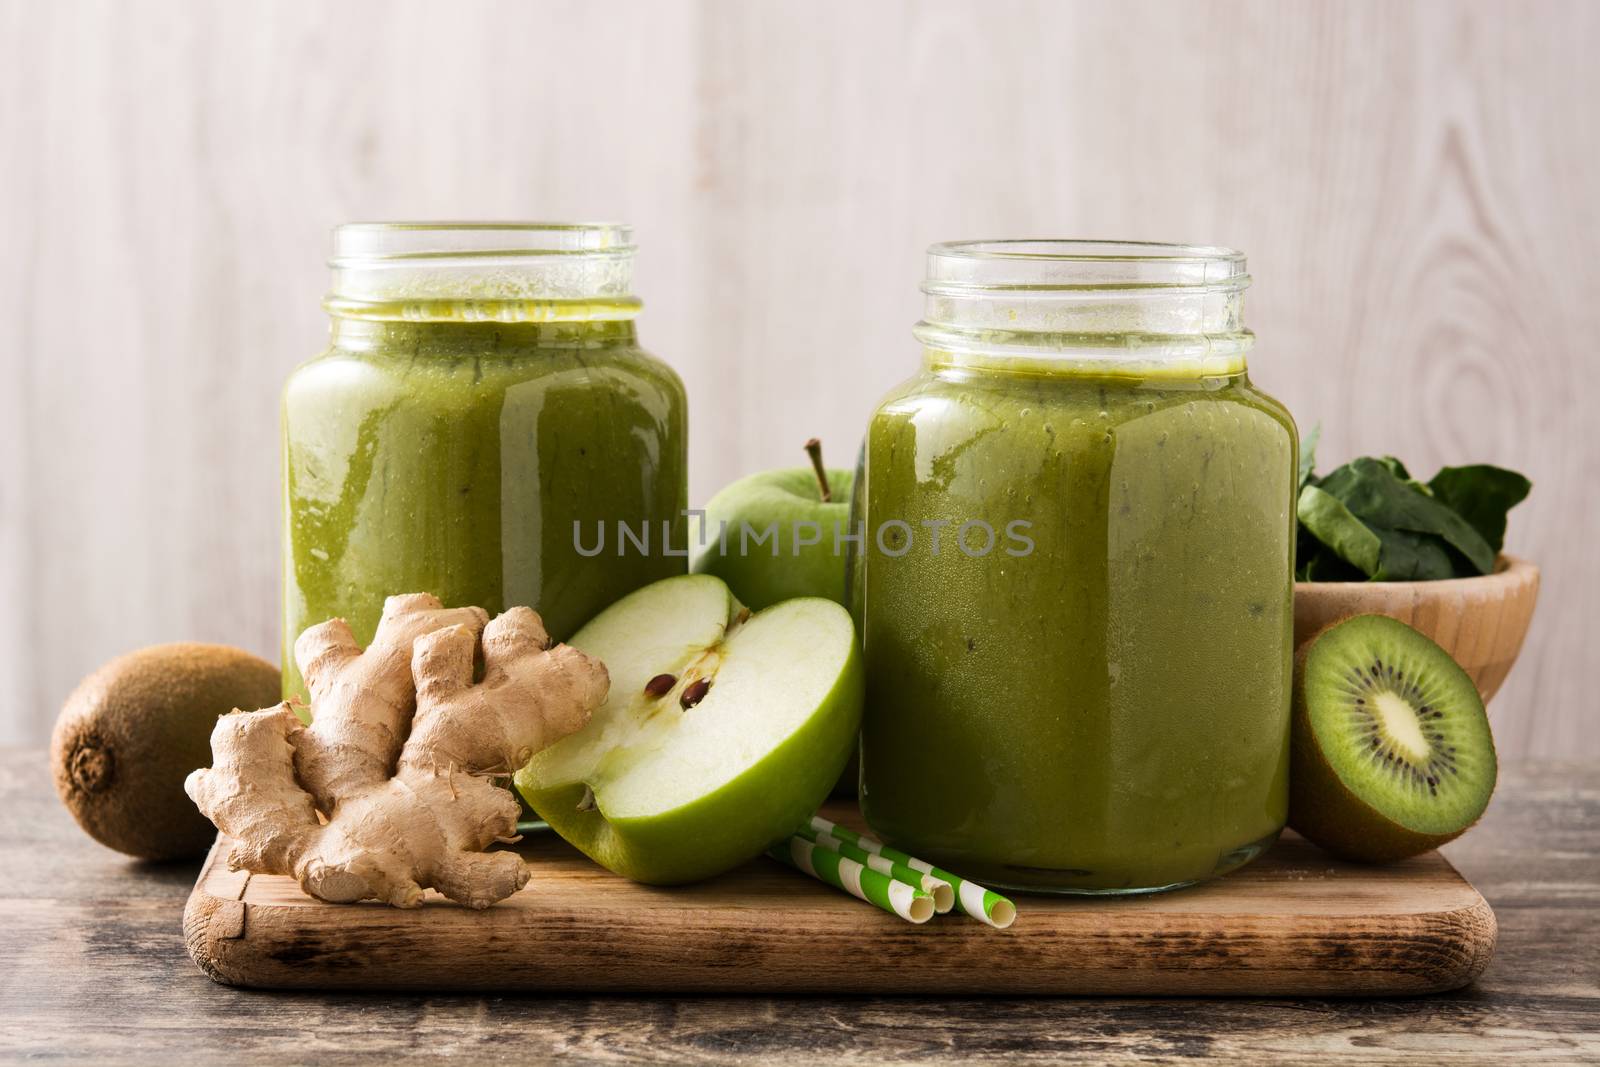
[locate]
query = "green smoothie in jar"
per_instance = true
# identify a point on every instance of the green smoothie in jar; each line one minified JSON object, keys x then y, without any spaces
{"x":1076,"y":587}
{"x":483,"y":427}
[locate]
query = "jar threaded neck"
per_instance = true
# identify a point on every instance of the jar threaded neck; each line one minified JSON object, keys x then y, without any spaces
{"x":483,"y":271}
{"x":1102,"y":301}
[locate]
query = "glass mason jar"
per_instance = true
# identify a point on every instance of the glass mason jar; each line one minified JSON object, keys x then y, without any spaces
{"x":1075,"y":592}
{"x":481,"y":420}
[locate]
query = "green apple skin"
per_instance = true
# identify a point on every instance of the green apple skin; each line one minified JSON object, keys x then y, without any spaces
{"x":757,"y":577}
{"x":736,"y":822}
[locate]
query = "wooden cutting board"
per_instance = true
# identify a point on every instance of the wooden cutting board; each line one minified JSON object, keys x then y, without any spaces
{"x":1295,"y":922}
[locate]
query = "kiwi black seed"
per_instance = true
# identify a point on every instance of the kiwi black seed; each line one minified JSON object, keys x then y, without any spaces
{"x":1392,"y":753}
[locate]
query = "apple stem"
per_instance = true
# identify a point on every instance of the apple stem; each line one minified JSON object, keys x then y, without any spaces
{"x":814,"y":450}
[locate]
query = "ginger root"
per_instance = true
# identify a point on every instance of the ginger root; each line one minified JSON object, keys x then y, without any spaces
{"x":389,"y":791}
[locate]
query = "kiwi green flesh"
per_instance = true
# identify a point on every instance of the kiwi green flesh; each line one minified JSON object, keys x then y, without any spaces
{"x":1400,"y":725}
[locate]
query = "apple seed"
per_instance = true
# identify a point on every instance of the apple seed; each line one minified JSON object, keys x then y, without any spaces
{"x":695,"y":693}
{"x":660,"y":685}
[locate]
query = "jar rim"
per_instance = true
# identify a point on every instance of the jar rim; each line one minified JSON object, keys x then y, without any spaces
{"x":1077,"y":264}
{"x":371,"y":243}
{"x":483,"y":271}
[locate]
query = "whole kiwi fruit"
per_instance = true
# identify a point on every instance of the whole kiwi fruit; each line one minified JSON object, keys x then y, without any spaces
{"x":1391,"y":753}
{"x":131,"y":732}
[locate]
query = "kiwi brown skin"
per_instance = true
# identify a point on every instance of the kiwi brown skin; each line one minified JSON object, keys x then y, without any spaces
{"x":133,"y":730}
{"x":1323,"y":810}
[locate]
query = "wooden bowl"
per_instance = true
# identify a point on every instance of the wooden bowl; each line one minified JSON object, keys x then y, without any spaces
{"x":1480,"y":621}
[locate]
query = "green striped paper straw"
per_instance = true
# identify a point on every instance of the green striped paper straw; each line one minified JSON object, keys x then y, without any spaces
{"x":943,"y":893}
{"x":897,"y":898}
{"x":972,"y":899}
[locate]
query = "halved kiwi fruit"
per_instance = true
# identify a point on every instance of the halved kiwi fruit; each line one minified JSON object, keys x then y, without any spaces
{"x":1392,"y":753}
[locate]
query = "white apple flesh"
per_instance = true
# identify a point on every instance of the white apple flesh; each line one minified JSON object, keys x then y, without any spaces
{"x":666,"y":793}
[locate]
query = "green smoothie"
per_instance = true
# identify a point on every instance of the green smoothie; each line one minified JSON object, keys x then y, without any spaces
{"x":454,"y":457}
{"x":1109,"y":711}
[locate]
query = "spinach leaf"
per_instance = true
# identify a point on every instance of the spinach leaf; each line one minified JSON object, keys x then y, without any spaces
{"x":1371,"y":520}
{"x":1323,"y":566}
{"x":1336,"y":527}
{"x":1308,"y":457}
{"x":1482,"y":495}
{"x":1376,"y":495}
{"x":1414,"y":557}
{"x":1398,"y":469}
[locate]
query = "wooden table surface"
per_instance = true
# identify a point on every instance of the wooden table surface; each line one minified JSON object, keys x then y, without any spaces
{"x":92,"y":965}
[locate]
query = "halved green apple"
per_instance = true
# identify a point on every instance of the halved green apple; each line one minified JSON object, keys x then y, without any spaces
{"x":721,"y":734}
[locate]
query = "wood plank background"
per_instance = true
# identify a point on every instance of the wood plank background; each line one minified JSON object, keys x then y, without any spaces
{"x":1414,"y":183}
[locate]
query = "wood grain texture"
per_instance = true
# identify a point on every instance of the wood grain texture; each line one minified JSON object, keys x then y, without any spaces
{"x":1481,"y":622}
{"x":93,"y":966}
{"x":1293,"y":923}
{"x":1413,"y":182}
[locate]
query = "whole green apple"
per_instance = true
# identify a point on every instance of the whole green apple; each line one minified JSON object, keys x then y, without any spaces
{"x":771,"y":536}
{"x":720,"y":735}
